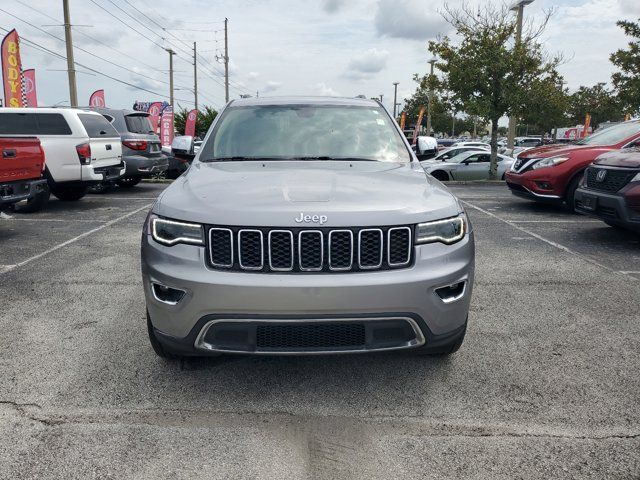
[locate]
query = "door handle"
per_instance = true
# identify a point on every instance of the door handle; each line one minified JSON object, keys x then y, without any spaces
{"x":8,"y":153}
{"x":108,"y":147}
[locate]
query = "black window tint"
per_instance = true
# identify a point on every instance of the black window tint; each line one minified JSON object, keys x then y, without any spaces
{"x":138,"y":123}
{"x":484,"y":158}
{"x":97,"y":126}
{"x":18,"y":124}
{"x":52,"y":124}
{"x":33,"y":124}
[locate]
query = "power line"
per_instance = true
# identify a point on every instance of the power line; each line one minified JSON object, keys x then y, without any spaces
{"x":56,"y":54}
{"x":100,"y":42}
{"x":83,"y":50}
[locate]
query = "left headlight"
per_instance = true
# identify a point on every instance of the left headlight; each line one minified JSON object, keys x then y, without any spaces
{"x":549,"y":162}
{"x":448,"y":231}
{"x":170,"y":232}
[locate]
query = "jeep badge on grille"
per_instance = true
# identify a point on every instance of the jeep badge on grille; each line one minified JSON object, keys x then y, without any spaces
{"x":302,"y":218}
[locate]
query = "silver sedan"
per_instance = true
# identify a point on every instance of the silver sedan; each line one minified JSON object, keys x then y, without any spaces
{"x":467,"y":166}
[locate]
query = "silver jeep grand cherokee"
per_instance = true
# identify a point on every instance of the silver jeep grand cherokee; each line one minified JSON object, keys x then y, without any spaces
{"x":306,"y":225}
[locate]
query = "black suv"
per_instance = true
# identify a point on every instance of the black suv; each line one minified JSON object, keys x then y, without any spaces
{"x":141,"y":149}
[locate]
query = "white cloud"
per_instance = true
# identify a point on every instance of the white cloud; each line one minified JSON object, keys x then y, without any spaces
{"x":367,"y":64}
{"x":630,"y":7}
{"x":408,"y":19}
{"x":325,"y":90}
{"x":271,"y":86}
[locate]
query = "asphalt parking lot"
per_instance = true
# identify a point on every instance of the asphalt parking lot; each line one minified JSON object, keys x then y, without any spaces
{"x":545,"y":386}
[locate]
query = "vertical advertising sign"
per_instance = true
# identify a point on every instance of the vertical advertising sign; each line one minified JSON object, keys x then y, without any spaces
{"x":166,"y":127}
{"x":154,"y":111}
{"x":190,"y":124}
{"x":30,"y":87}
{"x":97,"y":99}
{"x":403,"y":120}
{"x":587,"y":125}
{"x":417,"y":129}
{"x":12,"y":70}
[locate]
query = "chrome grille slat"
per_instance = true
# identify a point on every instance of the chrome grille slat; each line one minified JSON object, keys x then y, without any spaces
{"x":303,"y":251}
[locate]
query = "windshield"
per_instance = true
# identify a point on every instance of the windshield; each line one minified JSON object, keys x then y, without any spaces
{"x":138,"y":124}
{"x":612,"y":135}
{"x":305,"y":132}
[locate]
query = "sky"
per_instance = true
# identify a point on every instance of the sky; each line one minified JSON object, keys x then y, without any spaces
{"x":278,"y":47}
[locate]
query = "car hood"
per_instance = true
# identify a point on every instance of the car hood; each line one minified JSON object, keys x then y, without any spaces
{"x":547,"y":151}
{"x":629,"y":158}
{"x":275,"y":193}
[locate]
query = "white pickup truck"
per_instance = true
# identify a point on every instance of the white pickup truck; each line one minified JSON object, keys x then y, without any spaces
{"x":81,"y":147}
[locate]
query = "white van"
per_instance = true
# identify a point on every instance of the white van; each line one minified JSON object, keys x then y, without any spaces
{"x":81,"y":147}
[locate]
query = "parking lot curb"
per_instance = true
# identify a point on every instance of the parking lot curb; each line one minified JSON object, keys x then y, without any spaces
{"x":156,"y":180}
{"x":475,"y":182}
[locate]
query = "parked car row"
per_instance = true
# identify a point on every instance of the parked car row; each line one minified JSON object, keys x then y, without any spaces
{"x":66,"y":151}
{"x":598,"y":175}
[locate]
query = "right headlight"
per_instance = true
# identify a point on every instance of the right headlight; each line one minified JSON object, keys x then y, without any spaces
{"x":549,"y":162}
{"x":170,"y":232}
{"x":448,"y":230}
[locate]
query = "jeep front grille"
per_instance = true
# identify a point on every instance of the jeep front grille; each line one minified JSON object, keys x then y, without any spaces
{"x":613,"y":180}
{"x":300,"y":250}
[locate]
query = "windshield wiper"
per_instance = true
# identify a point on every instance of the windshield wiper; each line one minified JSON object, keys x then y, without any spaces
{"x":344,"y":159}
{"x":232,"y":159}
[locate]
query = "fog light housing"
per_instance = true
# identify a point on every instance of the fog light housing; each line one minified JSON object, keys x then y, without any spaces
{"x":453,"y":292}
{"x":168,"y":295}
{"x":544,"y":185}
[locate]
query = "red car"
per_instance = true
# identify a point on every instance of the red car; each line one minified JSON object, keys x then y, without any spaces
{"x":552,"y":173}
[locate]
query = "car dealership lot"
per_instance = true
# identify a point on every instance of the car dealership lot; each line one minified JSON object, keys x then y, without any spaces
{"x":546,"y":384}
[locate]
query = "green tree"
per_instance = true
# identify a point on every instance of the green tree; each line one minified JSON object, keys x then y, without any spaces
{"x":487,"y":74}
{"x":205,"y":118}
{"x":547,"y":106}
{"x":598,"y":101}
{"x":627,"y":81}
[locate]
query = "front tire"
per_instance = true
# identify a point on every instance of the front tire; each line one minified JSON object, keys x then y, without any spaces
{"x":440,"y":175}
{"x":570,"y":195}
{"x":69,"y":194}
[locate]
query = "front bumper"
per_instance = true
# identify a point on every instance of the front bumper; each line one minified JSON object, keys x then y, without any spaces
{"x":606,"y":206}
{"x":140,"y":166}
{"x":92,"y":174}
{"x":14,"y":192}
{"x":241,"y":299}
{"x":527,"y":185}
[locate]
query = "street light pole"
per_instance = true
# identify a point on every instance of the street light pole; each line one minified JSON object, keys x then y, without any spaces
{"x":395,"y":99}
{"x":432,"y":62}
{"x":518,"y":7}
{"x":171,"y":54}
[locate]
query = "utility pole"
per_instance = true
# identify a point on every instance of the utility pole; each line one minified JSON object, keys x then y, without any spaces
{"x":395,"y":99}
{"x":226,"y":60}
{"x":432,"y":62}
{"x":381,"y":95}
{"x":171,"y":54}
{"x":195,"y":76}
{"x":519,"y":8}
{"x":453,"y":125}
{"x":71,"y":65}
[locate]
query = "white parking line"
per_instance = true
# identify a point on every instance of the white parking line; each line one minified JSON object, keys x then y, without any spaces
{"x":65,"y":220}
{"x":9,"y":268}
{"x":549,"y":242}
{"x":556,"y":221}
{"x":107,"y":197}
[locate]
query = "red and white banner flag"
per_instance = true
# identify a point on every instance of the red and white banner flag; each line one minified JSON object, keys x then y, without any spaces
{"x":97,"y":99}
{"x":166,"y":127}
{"x":154,"y":111}
{"x":190,"y":124}
{"x":12,"y":70}
{"x":30,"y":87}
